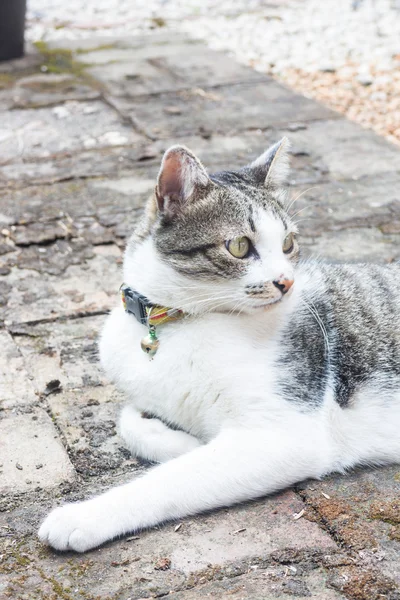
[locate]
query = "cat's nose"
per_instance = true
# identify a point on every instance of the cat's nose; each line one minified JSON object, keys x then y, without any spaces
{"x":283,"y":284}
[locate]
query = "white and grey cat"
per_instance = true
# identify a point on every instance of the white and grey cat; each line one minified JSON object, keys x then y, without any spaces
{"x":278,"y":370}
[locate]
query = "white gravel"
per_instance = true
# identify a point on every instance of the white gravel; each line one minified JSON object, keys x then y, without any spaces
{"x":308,"y":34}
{"x":351,"y":43}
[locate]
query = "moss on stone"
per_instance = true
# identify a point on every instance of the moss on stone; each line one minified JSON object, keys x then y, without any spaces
{"x":60,"y":60}
{"x":6,"y":80}
{"x":15,"y":559}
{"x":96,"y":49}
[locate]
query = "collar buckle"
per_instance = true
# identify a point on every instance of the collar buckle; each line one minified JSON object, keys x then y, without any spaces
{"x":134,"y":303}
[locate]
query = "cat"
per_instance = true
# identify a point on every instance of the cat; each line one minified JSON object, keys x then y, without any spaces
{"x":270,"y":370}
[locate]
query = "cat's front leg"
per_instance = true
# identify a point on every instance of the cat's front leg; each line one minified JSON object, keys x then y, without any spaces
{"x":151,"y":438}
{"x":239,"y":464}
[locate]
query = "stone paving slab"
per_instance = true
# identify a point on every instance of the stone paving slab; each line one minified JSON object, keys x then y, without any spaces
{"x":67,"y":290}
{"x":107,"y":162}
{"x":65,"y":350}
{"x":357,"y":245}
{"x":273,"y":583}
{"x":357,"y":220}
{"x":35,"y":134}
{"x":362,"y":512}
{"x":348,"y":151}
{"x":39,"y":90}
{"x":225,"y":544}
{"x":31,"y":453}
{"x":75,"y":200}
{"x":335,"y":206}
{"x":16,"y":387}
{"x":87,"y":419}
{"x":72,"y":189}
{"x":153,"y":69}
{"x":222,"y":110}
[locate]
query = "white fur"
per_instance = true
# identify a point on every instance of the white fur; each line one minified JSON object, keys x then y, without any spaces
{"x":215,"y":378}
{"x":151,"y":438}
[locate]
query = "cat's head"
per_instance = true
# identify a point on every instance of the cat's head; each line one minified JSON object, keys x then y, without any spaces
{"x":217,"y":242}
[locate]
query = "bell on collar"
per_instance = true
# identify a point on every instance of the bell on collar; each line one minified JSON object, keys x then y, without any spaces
{"x":150,"y":342}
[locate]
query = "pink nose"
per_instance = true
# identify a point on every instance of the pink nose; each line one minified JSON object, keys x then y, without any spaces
{"x":283,"y":284}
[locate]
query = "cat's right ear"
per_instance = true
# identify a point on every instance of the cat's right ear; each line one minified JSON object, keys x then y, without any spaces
{"x":182,"y":179}
{"x":272,"y":167}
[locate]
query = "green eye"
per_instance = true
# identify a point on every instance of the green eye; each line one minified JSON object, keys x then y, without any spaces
{"x":288,"y":243}
{"x":239,"y":247}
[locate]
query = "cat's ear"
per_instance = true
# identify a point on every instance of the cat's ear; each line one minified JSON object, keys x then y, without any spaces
{"x":181,"y":179}
{"x":272,"y":167}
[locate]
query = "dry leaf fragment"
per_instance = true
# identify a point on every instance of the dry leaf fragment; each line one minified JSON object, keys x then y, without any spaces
{"x":297,"y":516}
{"x":173,"y":110}
{"x":122,"y":563}
{"x":163,"y":564}
{"x":205,"y":94}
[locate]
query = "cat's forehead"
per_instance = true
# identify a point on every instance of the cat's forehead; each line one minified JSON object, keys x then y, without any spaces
{"x":238,"y":196}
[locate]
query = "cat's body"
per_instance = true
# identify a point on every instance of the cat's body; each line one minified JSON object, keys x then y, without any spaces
{"x":263,"y":383}
{"x":221,"y":367}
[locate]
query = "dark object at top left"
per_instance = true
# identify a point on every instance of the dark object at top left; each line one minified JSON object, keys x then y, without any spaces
{"x":12,"y":26}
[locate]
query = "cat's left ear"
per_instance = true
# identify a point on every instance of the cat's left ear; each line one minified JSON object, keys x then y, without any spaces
{"x":272,"y":167}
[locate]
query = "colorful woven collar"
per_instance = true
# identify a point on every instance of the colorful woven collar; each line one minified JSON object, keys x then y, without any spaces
{"x":144,"y":311}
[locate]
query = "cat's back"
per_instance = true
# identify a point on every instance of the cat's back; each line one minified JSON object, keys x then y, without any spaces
{"x":364,"y":299}
{"x":347,"y":330}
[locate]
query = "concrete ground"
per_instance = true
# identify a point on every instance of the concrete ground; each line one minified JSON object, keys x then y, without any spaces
{"x":82,"y":129}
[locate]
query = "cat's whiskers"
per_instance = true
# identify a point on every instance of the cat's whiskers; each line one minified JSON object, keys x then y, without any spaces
{"x":299,"y":196}
{"x":201,"y":296}
{"x":241,"y":301}
{"x":299,"y":211}
{"x":314,"y":312}
{"x":211,"y":300}
{"x":301,"y":221}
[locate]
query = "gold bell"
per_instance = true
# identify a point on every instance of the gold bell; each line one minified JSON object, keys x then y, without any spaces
{"x":150,"y":343}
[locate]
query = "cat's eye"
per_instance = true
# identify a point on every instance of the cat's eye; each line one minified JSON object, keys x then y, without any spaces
{"x":288,"y":243}
{"x":238,"y":247}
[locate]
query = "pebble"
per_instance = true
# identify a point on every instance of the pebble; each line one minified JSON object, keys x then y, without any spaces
{"x":365,"y":79}
{"x":93,"y":402}
{"x":61,"y":112}
{"x":327,"y":69}
{"x":87,"y":413}
{"x":379,"y":96}
{"x":296,"y":126}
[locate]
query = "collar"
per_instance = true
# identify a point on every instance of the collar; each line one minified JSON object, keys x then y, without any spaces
{"x":144,"y":311}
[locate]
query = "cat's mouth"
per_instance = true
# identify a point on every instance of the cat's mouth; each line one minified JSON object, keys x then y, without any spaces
{"x":266,"y":304}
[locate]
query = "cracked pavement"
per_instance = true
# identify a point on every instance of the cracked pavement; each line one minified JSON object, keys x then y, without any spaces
{"x":83,"y":128}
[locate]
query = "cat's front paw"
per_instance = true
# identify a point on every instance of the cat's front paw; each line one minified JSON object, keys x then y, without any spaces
{"x":73,"y":527}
